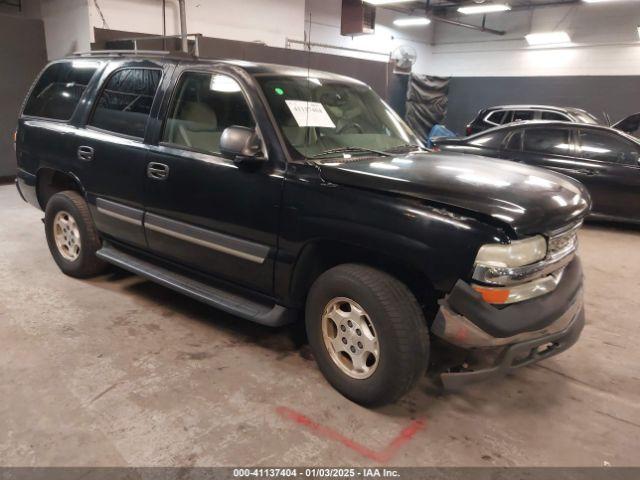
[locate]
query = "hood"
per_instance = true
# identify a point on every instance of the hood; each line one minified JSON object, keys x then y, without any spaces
{"x":629,"y":124}
{"x":528,"y":199}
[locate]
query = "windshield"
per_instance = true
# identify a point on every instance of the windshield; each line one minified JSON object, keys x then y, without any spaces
{"x":585,"y":117}
{"x":323,"y":117}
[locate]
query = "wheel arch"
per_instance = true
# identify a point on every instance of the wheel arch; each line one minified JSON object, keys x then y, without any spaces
{"x":50,"y":181}
{"x":318,"y":256}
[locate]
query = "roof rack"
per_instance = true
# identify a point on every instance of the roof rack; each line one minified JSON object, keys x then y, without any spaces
{"x":120,"y":53}
{"x":136,"y":51}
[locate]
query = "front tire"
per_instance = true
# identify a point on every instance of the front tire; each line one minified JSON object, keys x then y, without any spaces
{"x":367,"y":332}
{"x":71,"y":235}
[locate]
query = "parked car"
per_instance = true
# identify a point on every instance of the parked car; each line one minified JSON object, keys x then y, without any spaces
{"x":501,"y":115}
{"x":272,"y":192}
{"x":604,"y":159}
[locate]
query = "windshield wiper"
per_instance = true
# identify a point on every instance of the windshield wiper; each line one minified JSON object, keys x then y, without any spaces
{"x":351,"y":150}
{"x":402,"y":148}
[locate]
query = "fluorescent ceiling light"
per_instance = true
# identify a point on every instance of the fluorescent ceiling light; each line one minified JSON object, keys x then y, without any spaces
{"x":411,"y":21}
{"x":639,"y":31}
{"x":386,"y":2}
{"x":548,"y":38}
{"x":599,"y":1}
{"x":488,"y":8}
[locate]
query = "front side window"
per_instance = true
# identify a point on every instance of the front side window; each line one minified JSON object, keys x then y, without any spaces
{"x":548,"y":140}
{"x":125,"y":102}
{"x":582,"y":116}
{"x":607,"y":148}
{"x":491,"y":140}
{"x":319,"y":115}
{"x":202,"y":107}
{"x":514,"y":141}
{"x":59,"y":89}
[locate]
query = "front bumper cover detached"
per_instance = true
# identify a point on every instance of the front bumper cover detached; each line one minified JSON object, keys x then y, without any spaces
{"x":523,"y":333}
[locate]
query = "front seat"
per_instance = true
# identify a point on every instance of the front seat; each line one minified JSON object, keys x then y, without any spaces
{"x":197,"y":127}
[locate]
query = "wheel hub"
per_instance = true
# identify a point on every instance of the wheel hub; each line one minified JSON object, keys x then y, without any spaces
{"x":350,"y":337}
{"x":66,"y":235}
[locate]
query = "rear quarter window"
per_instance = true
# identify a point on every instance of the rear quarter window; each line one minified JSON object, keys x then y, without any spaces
{"x":59,"y":89}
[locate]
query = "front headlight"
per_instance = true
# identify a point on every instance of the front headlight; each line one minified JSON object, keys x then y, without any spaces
{"x":515,"y":254}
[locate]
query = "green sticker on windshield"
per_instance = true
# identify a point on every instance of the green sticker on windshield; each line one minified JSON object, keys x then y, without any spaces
{"x":279,"y":91}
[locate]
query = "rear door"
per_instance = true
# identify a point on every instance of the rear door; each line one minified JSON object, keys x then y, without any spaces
{"x":615,"y":181}
{"x":111,"y":148}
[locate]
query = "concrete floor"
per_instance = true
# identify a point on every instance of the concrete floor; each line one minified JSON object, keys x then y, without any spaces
{"x":117,"y":371}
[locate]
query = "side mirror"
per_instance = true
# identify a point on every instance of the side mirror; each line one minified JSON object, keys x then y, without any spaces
{"x":241,"y":144}
{"x":634,"y":157}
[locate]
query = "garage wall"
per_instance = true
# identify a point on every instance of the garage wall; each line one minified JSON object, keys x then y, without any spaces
{"x":20,"y":62}
{"x":605,"y":40}
{"x":616,"y":95}
{"x":66,"y":24}
{"x":267,"y":21}
{"x":374,"y":73}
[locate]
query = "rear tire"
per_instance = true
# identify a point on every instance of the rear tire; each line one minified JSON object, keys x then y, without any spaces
{"x":71,"y":235}
{"x":367,"y":332}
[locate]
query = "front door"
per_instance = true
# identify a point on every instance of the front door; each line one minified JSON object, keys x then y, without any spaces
{"x":615,"y":180}
{"x":554,"y":148}
{"x":203,"y":210}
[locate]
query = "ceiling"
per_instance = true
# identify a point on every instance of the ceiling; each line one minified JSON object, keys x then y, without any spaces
{"x":445,"y":11}
{"x":446,"y":6}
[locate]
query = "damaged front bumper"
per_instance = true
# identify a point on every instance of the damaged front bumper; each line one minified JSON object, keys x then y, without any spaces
{"x":521,"y":333}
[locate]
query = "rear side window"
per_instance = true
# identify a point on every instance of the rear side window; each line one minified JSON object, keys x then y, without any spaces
{"x":554,"y":116}
{"x":203,"y":106}
{"x":125,"y":102}
{"x":555,"y":141}
{"x":498,"y":117}
{"x":522,"y":115}
{"x":58,"y":91}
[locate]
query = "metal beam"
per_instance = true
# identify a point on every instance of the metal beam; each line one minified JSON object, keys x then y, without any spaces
{"x":467,"y":25}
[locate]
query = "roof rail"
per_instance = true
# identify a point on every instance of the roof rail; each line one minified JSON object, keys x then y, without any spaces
{"x":120,"y":53}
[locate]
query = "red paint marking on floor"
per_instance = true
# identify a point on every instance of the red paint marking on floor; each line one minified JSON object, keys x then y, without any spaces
{"x":381,"y":456}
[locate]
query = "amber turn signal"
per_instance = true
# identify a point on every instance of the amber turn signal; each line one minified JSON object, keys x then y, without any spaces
{"x":493,"y":295}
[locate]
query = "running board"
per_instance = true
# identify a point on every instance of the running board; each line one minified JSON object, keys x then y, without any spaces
{"x":272,"y":316}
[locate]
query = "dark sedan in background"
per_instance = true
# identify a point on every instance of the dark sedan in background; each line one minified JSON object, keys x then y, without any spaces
{"x":605,"y":160}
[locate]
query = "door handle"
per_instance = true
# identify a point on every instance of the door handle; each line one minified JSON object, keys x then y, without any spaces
{"x":85,"y":153}
{"x":157,"y":171}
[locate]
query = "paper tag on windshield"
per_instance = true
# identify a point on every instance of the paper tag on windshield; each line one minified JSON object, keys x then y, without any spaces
{"x":310,"y":114}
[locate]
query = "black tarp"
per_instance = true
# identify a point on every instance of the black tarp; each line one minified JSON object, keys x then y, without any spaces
{"x":426,"y":102}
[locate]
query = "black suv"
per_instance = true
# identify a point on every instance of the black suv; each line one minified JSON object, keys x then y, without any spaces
{"x":501,"y":115}
{"x":275,"y":193}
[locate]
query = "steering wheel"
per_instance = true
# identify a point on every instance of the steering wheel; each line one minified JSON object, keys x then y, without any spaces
{"x":349,"y":125}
